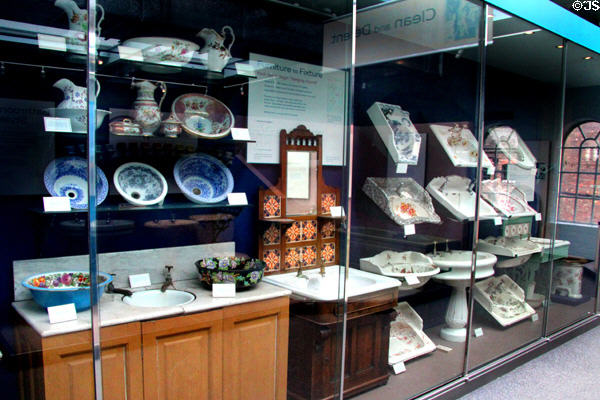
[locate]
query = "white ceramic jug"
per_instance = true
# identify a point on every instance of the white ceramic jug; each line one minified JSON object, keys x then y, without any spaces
{"x":78,"y":20}
{"x":75,"y":97}
{"x":217,"y":54}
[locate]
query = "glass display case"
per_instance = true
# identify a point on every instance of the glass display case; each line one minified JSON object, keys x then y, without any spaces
{"x":277,"y":199}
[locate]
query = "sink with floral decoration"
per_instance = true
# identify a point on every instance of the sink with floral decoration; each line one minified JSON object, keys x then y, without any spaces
{"x":456,"y":194}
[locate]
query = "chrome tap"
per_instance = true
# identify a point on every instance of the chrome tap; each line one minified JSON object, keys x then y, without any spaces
{"x":443,"y":185}
{"x":110,"y":288}
{"x":168,"y":279}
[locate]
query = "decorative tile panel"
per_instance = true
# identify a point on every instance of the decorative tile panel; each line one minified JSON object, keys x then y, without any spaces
{"x":272,"y":206}
{"x":328,"y":252}
{"x":327,"y":201}
{"x":293,"y":233}
{"x":272,"y":235}
{"x":328,"y":230}
{"x":309,"y":256}
{"x":293,"y":257}
{"x":272,"y":259}
{"x":309,"y":230}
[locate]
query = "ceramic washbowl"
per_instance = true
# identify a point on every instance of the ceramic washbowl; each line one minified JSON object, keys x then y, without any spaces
{"x":327,"y":288}
{"x":462,"y":259}
{"x":156,"y":298}
{"x":512,"y":251}
{"x":454,"y":193}
{"x":401,"y":266}
{"x":203,"y":178}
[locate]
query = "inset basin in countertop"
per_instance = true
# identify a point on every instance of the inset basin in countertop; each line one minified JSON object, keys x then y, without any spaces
{"x":462,"y":259}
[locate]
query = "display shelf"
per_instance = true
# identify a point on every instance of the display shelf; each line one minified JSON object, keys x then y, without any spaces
{"x":172,"y":202}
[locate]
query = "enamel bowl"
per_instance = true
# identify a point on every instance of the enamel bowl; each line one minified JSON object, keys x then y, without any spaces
{"x":202,"y":116}
{"x":140,"y":184}
{"x":203,"y":178}
{"x":63,"y":287}
{"x":78,"y":117}
{"x":67,"y":177}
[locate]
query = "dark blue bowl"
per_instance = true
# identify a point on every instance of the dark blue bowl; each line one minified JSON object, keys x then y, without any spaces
{"x":63,"y":287}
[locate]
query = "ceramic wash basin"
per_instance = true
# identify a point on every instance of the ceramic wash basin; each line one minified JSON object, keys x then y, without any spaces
{"x":327,"y":288}
{"x":512,"y":251}
{"x":456,"y":195}
{"x":401,"y":266}
{"x":156,"y":298}
{"x":462,"y":259}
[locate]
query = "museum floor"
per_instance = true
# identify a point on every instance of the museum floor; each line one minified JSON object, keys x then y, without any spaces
{"x":569,"y":371}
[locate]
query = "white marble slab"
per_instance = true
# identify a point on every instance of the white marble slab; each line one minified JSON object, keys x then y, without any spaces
{"x":113,"y":311}
{"x":125,"y":263}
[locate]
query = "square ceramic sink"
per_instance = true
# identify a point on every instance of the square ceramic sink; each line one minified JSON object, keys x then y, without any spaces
{"x":454,"y":193}
{"x":327,"y":288}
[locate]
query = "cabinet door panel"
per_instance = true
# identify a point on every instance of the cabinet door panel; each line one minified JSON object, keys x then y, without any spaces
{"x":68,"y":364}
{"x":255,"y":350}
{"x":182,"y":357}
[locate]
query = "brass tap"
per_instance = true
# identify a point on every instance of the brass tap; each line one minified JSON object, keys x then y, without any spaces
{"x":300,"y":274}
{"x":168,"y":279}
{"x":321,"y":268}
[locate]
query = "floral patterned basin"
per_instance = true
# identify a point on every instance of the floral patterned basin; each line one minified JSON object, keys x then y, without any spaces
{"x":503,"y":299}
{"x":244,"y":272}
{"x":202,"y":116}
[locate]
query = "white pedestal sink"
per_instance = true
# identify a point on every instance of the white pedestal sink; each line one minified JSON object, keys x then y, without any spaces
{"x":156,"y":298}
{"x":459,"y":277}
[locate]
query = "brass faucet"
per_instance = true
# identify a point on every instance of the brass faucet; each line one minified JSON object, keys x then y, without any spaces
{"x":300,"y":274}
{"x":168,"y":279}
{"x":321,"y":268}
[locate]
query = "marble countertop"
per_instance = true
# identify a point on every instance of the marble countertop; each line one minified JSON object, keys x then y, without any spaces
{"x":113,"y":311}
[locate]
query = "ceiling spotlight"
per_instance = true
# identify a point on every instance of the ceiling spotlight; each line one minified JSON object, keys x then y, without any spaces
{"x":587,"y":57}
{"x":560,"y":46}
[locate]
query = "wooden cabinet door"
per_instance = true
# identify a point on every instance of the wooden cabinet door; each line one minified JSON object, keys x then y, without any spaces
{"x":255,"y":350}
{"x":182,"y":357}
{"x":68,"y":364}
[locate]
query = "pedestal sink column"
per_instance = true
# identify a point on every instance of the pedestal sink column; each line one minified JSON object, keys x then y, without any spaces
{"x":457,"y":312}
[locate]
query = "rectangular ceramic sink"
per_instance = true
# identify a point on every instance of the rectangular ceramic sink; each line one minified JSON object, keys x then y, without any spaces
{"x":316,"y":287}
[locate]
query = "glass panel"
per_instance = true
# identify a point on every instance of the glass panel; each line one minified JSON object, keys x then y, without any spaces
{"x":225,"y":152}
{"x":574,"y":277}
{"x":43,"y":166}
{"x":414,"y":164}
{"x":522,"y":64}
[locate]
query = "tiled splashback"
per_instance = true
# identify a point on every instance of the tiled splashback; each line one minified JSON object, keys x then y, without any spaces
{"x":126,"y":263}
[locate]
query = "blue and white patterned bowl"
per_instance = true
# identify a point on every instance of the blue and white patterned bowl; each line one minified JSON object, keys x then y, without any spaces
{"x":203,"y":178}
{"x":140,"y":184}
{"x":67,"y":177}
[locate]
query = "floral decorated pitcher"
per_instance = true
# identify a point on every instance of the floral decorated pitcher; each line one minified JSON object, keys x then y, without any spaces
{"x":146,"y":112}
{"x":214,"y":47}
{"x":78,"y":20}
{"x":75,"y":97}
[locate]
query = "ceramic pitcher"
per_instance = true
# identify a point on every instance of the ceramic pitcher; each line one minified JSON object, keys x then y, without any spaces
{"x":78,"y":20}
{"x":146,"y":112}
{"x":214,"y":47}
{"x":75,"y":97}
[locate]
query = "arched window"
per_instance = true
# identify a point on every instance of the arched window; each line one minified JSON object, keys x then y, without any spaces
{"x":579,"y":197}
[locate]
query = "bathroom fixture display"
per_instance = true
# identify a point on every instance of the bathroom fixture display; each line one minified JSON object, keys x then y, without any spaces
{"x":511,"y":251}
{"x":140,"y":184}
{"x":67,"y":177}
{"x":406,"y":266}
{"x":509,"y":143}
{"x":407,"y":339}
{"x":401,"y":199}
{"x":461,"y":146}
{"x":396,"y":131}
{"x":456,"y":194}
{"x":505,"y":197}
{"x":503,"y":299}
{"x":203,"y":116}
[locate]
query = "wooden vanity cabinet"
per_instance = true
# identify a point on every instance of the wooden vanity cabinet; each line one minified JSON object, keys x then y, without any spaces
{"x":237,"y":352}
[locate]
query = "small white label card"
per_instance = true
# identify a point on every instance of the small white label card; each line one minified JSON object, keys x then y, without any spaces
{"x":130,"y":53}
{"x":497,"y":221}
{"x":237,"y":199}
{"x":223,"y":290}
{"x":54,"y":124}
{"x":478,"y":332}
{"x":399,"y":368}
{"x":240,"y":134}
{"x":139,"y":280}
{"x":53,"y":204}
{"x":411,"y":279}
{"x":401,"y":168}
{"x":534,"y":317}
{"x":245,"y":69}
{"x":443,"y":348}
{"x":538,"y":216}
{"x":337,"y":211}
{"x":51,"y":42}
{"x":63,"y":313}
{"x":409,"y":229}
